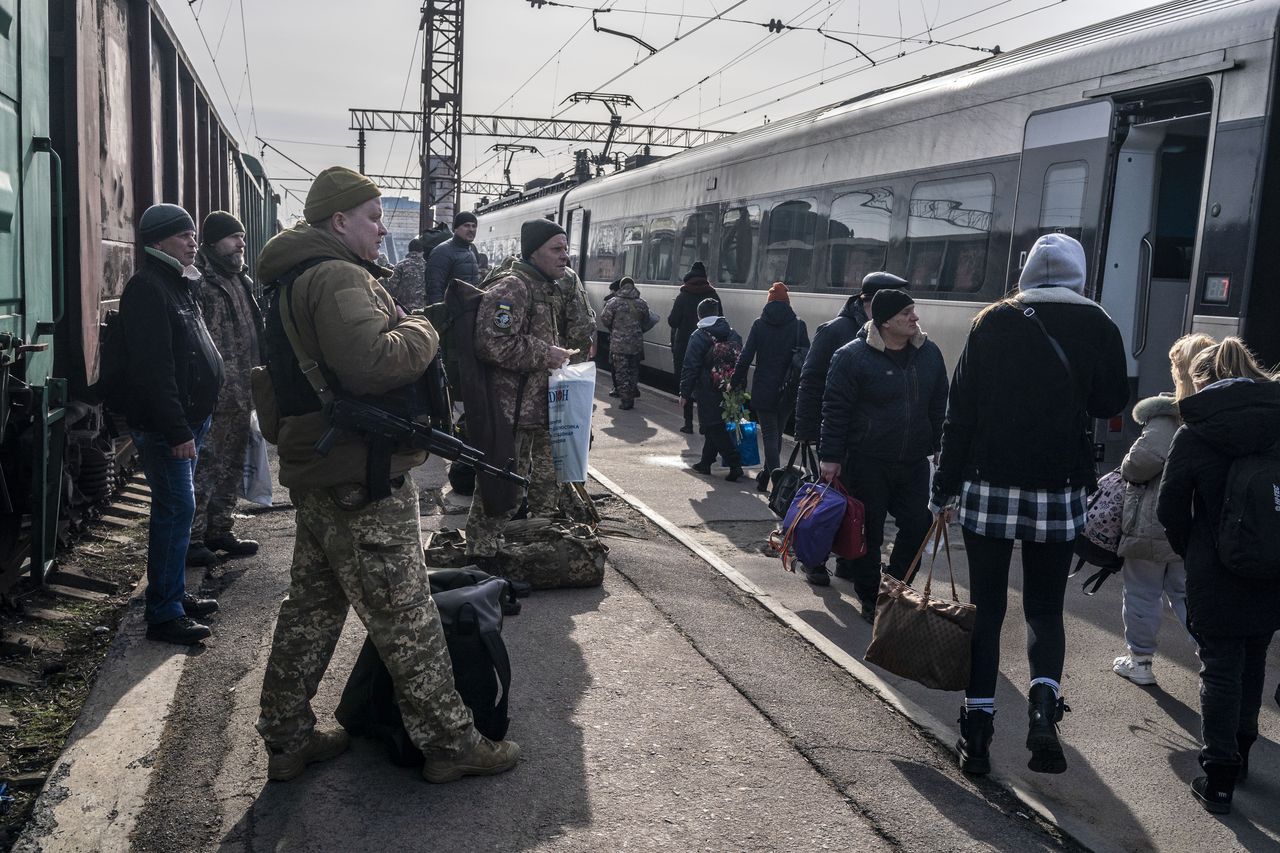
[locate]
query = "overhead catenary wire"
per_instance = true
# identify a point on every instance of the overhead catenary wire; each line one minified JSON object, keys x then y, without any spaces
{"x":217,"y":71}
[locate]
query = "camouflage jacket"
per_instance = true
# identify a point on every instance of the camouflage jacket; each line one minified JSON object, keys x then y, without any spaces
{"x":408,"y":284}
{"x":515,"y":326}
{"x":624,"y":316}
{"x":575,"y":315}
{"x":235,"y":325}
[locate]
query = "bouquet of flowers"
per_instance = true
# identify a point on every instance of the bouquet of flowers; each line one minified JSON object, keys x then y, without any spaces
{"x":733,"y":408}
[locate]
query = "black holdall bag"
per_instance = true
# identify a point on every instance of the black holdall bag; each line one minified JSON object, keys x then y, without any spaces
{"x":470,"y":605}
{"x":787,"y":481}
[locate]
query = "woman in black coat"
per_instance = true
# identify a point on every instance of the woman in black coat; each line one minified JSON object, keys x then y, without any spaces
{"x":1017,"y":458}
{"x":772,"y":344}
{"x":1235,"y":412}
{"x":683,"y":319}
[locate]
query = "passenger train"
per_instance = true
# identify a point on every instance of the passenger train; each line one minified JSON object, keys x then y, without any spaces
{"x":1149,"y":138}
{"x":101,"y":115}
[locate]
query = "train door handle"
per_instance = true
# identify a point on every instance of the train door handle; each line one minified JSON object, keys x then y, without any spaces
{"x":44,"y":144}
{"x":1141,"y":320}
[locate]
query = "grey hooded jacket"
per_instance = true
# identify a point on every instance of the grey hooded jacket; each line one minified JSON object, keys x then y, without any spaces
{"x":1142,"y":535}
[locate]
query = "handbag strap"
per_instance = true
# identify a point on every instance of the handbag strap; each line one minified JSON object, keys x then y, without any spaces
{"x":938,"y":533}
{"x":1030,"y":313}
{"x":808,"y":503}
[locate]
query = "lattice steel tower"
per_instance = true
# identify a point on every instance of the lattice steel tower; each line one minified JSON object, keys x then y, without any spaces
{"x":441,"y":110}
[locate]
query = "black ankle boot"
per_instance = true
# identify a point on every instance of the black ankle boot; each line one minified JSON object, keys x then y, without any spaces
{"x":1044,"y":711}
{"x":1215,"y":788}
{"x":976,"y":730}
{"x":735,"y":474}
{"x":1244,"y":743}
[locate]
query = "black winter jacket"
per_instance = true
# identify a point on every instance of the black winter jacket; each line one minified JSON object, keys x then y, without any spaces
{"x":683,"y":318}
{"x":451,"y":259}
{"x":174,"y":369}
{"x":829,"y":337}
{"x":1223,"y":421}
{"x":1013,"y":415}
{"x":872,"y":407}
{"x":695,"y":376}
{"x":770,"y":343}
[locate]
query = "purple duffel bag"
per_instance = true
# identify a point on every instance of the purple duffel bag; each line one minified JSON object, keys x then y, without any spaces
{"x":811,"y":523}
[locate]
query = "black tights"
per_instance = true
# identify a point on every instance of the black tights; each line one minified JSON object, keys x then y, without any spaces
{"x":1045,"y":567}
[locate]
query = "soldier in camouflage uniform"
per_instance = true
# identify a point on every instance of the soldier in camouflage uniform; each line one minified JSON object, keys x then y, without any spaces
{"x":408,"y":284}
{"x":235,"y":324}
{"x":518,"y":334}
{"x":625,"y":317}
{"x":353,"y":550}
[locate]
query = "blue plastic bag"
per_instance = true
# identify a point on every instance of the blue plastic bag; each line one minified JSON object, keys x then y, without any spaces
{"x":748,"y":441}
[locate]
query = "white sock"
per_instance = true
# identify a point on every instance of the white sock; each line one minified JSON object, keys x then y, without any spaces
{"x":1057,"y":689}
{"x":986,"y":705}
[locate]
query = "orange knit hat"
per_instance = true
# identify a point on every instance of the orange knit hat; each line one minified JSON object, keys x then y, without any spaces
{"x":778,"y":293}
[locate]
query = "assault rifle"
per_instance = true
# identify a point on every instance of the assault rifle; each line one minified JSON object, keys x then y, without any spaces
{"x":386,"y":430}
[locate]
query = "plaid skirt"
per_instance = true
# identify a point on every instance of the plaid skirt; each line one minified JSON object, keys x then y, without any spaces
{"x":1029,"y":515}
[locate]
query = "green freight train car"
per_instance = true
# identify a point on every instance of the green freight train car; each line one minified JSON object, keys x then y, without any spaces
{"x":101,"y":115}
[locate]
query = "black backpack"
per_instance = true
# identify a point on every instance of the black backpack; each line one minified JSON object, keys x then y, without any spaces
{"x":470,"y":604}
{"x":112,"y":387}
{"x":1249,"y":528}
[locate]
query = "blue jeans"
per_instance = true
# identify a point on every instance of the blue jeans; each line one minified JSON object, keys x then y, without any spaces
{"x":173,"y":506}
{"x":1232,"y":671}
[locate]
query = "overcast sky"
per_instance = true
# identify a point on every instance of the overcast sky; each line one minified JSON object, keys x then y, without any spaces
{"x":309,"y":61}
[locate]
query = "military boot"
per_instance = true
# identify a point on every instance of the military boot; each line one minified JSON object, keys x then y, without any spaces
{"x":974,"y":747}
{"x":321,"y":746}
{"x":486,"y":758}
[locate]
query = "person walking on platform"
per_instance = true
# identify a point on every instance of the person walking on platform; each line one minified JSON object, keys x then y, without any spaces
{"x":231,"y":314}
{"x":683,"y":320}
{"x":828,"y":338}
{"x":772,"y":343}
{"x":881,"y":421}
{"x":408,"y":284}
{"x":624,"y":316}
{"x":357,"y":540}
{"x":604,"y":356}
{"x":1234,"y":413}
{"x":171,"y":382}
{"x":713,"y":351}
{"x":453,"y":258}
{"x":1018,"y":458}
{"x":517,"y":336}
{"x":1152,"y":570}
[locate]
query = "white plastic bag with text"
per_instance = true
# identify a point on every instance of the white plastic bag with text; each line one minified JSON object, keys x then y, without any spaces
{"x":570,"y":398}
{"x":256,"y":485}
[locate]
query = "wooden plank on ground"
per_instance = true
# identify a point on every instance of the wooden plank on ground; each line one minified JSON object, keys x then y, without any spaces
{"x":17,"y":644}
{"x":108,"y":536}
{"x":44,"y":614}
{"x":77,"y":594}
{"x":10,"y":677}
{"x":25,"y":781}
{"x":67,"y":576}
{"x":124,"y":510}
{"x":7,"y":719}
{"x":119,"y":523}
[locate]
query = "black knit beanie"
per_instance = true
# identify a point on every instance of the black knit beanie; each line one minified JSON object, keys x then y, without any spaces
{"x":534,"y":234}
{"x":887,"y":303}
{"x":464,"y":217}
{"x":698,"y":270}
{"x":217,"y":225}
{"x":160,"y":221}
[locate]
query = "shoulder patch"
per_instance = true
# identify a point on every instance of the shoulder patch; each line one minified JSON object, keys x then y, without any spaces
{"x":502,"y":317}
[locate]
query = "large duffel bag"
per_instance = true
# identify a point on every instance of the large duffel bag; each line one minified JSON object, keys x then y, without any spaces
{"x":545,"y":553}
{"x":470,"y":606}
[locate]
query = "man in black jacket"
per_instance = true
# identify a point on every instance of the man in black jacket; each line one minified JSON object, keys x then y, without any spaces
{"x":882,"y":414}
{"x":454,"y":258}
{"x":829,"y":337}
{"x":173,"y":376}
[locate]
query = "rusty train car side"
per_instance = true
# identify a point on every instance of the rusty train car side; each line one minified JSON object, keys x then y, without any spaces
{"x":134,"y":125}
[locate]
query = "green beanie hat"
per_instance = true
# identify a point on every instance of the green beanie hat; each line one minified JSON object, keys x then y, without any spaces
{"x":336,"y":189}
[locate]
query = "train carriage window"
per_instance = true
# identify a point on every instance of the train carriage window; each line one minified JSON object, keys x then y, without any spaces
{"x":948,"y":232}
{"x":738,"y":244}
{"x":662,"y":249}
{"x":695,"y":240}
{"x":629,"y":256}
{"x":793,"y":230}
{"x":602,"y":262}
{"x":1062,"y":200}
{"x":858,"y":235}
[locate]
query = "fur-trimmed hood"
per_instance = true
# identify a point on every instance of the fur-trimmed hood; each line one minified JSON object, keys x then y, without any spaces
{"x":876,"y":342}
{"x":1160,"y":406}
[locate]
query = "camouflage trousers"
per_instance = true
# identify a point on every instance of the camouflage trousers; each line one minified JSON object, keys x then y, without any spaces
{"x":533,"y":460}
{"x":369,"y":558}
{"x":220,"y":473}
{"x":626,"y":375}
